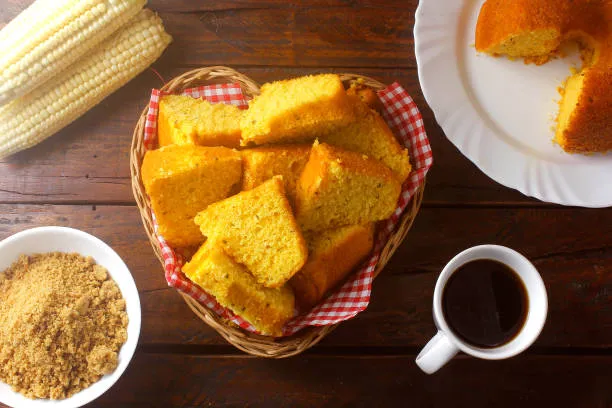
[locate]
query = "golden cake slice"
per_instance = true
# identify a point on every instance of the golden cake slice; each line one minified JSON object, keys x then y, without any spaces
{"x":339,"y":187}
{"x":182,"y":180}
{"x":186,"y":120}
{"x":257,"y":228}
{"x":534,"y":30}
{"x":297,"y":109}
{"x":236,"y":289}
{"x":262,"y":163}
{"x":585,"y":117}
{"x":371,"y":136}
{"x":332,"y":255}
{"x":365,"y":94}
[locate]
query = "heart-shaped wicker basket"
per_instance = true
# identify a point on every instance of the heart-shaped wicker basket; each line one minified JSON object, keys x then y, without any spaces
{"x":251,"y":343}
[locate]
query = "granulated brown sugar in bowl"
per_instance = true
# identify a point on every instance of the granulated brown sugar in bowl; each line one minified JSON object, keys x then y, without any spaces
{"x":62,"y":323}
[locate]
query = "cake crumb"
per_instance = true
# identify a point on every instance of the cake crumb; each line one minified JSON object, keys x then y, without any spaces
{"x":62,"y":323}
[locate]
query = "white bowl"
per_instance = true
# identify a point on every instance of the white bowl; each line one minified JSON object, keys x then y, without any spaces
{"x":49,"y":239}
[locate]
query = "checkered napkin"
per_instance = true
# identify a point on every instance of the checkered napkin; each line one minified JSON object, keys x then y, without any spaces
{"x":404,"y":119}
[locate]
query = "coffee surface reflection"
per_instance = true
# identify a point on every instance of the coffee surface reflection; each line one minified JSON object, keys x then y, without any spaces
{"x":485,"y":303}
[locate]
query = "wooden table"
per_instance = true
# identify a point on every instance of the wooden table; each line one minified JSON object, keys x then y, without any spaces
{"x":80,"y":178}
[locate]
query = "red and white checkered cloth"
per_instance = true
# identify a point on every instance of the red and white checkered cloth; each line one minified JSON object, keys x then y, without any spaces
{"x":404,"y":119}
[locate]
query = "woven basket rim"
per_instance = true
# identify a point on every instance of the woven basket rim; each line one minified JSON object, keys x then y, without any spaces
{"x":257,"y":345}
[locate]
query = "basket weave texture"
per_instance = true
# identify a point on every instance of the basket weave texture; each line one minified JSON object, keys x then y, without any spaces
{"x":251,"y":343}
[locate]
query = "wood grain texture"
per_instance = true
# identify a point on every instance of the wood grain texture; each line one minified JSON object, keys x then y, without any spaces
{"x":191,"y":6}
{"x":291,"y":36}
{"x":87,"y":162}
{"x":346,"y":37}
{"x":80,"y":178}
{"x":187,"y":381}
{"x":375,"y":381}
{"x":574,"y":266}
{"x":13,"y":7}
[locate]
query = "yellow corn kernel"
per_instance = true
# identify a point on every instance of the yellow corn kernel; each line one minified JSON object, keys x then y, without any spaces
{"x":50,"y":35}
{"x":32,"y":118}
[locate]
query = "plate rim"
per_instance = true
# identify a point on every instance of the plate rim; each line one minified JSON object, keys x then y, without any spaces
{"x":531,"y":176}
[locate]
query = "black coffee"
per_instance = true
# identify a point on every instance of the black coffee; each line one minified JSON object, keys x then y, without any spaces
{"x":485,"y":303}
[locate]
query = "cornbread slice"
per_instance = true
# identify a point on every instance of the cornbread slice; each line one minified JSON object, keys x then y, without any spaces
{"x":332,"y":255}
{"x":257,"y":228}
{"x":182,"y":180}
{"x":365,"y":94}
{"x":236,"y":289}
{"x":296,"y":109}
{"x":186,"y":120}
{"x":262,"y":163}
{"x":370,"y":135}
{"x":339,"y":187}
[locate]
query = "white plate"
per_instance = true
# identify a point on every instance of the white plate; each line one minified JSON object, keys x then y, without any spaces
{"x":48,"y":239}
{"x":500,"y":113}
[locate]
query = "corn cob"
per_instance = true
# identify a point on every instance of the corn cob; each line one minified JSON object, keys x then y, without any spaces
{"x":50,"y":35}
{"x":39,"y":114}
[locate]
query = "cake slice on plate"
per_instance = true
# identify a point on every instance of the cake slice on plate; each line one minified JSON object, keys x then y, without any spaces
{"x":534,"y":30}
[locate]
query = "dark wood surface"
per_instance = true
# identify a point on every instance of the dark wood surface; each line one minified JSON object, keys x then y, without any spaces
{"x":80,"y":178}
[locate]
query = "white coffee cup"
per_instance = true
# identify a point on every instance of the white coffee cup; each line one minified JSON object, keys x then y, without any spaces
{"x":445,"y":344}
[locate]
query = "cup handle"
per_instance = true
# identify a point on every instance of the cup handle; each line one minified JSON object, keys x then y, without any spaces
{"x":439,"y":351}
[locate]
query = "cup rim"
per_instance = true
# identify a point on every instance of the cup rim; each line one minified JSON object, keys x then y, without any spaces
{"x":510,"y":348}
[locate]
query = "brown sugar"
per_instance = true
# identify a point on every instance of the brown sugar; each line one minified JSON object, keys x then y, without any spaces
{"x":62,"y":323}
